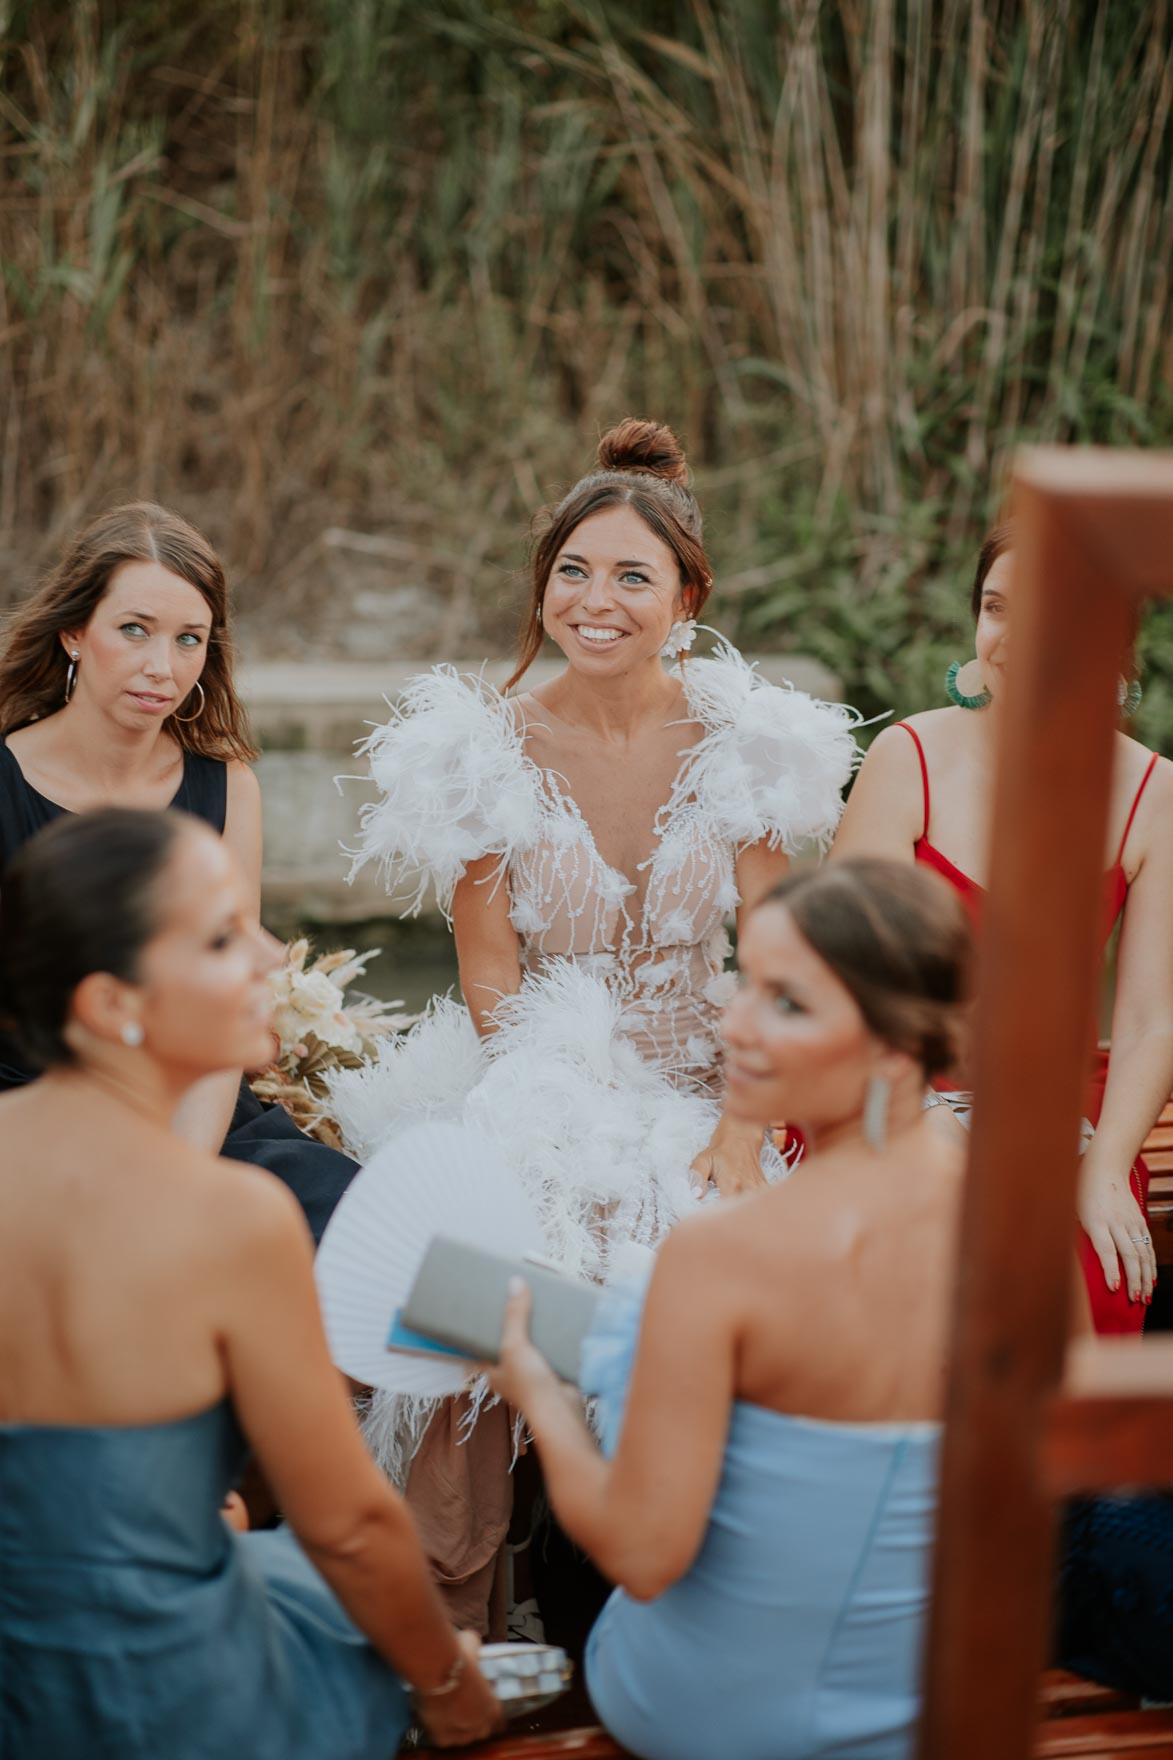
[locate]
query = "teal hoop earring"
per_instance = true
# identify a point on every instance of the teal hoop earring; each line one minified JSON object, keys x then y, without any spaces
{"x":956,"y":695}
{"x":1129,"y":696}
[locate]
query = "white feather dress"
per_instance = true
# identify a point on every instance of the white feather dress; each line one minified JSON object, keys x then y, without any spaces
{"x":602,"y":1083}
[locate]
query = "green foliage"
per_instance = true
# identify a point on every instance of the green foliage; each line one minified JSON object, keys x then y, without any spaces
{"x":301,"y":264}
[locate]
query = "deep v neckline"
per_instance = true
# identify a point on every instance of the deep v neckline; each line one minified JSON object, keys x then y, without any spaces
{"x":558,"y":786}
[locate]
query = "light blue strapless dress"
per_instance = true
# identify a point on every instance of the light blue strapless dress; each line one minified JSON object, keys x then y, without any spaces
{"x":135,"y":1626}
{"x":796,"y":1633}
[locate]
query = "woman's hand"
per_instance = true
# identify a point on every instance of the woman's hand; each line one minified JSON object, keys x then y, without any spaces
{"x":1116,"y":1226}
{"x":521,"y":1367}
{"x":469,"y":1712}
{"x":731,"y":1161}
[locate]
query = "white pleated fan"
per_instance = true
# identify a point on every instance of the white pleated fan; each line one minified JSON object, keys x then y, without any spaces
{"x":431,"y":1178}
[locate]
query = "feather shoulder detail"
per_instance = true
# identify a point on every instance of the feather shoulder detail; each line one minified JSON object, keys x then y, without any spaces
{"x":773,"y":762}
{"x":454,"y":784}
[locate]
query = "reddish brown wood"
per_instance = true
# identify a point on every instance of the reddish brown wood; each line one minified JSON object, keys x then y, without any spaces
{"x":1093,"y":533}
{"x":1062,"y":1694}
{"x":1113,"y":1732}
{"x":571,"y":1744}
{"x":1110,"y":1736}
{"x":1096,"y":1444}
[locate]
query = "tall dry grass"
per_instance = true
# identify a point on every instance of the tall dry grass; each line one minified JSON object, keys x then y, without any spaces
{"x":356,"y":278}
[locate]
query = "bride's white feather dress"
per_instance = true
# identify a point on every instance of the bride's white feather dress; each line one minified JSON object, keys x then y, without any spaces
{"x":601,"y":1084}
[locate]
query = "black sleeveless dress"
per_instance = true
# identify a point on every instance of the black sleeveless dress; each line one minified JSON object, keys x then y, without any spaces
{"x":265,"y":1136}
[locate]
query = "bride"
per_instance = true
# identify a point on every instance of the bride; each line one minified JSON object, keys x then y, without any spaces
{"x":588,"y":840}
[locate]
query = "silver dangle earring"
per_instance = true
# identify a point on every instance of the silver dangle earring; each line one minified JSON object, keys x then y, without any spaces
{"x":875,"y":1113}
{"x":71,"y":675}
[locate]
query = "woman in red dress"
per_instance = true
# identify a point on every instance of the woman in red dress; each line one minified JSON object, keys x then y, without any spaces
{"x":924,"y":794}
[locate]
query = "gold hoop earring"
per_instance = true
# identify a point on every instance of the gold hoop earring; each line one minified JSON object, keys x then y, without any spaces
{"x":197,"y":686}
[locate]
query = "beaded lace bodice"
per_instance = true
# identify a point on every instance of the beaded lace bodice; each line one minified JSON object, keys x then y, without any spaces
{"x":660,"y":943}
{"x":459,"y":783}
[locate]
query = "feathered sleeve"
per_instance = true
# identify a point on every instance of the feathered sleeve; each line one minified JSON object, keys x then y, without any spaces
{"x":774,"y":761}
{"x":608,"y":1356}
{"x":454,"y":784}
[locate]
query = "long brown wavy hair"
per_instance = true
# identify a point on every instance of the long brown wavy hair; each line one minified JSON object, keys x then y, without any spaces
{"x":33,"y":662}
{"x":640,"y":465}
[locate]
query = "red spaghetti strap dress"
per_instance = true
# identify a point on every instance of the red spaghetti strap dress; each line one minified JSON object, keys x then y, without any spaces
{"x":1111,"y":1309}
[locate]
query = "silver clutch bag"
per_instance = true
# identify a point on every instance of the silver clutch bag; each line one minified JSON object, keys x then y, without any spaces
{"x":459,"y":1294}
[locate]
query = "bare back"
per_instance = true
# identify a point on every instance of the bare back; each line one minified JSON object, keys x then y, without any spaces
{"x":114,"y":1264}
{"x":840,"y":1283}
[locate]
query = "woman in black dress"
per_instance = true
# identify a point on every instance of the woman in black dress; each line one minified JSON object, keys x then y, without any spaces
{"x":116,"y":690}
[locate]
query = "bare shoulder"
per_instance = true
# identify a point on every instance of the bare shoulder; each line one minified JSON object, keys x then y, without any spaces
{"x":1152,"y":828}
{"x":244,"y":1214}
{"x":933,"y":726}
{"x":244,"y":791}
{"x":731,"y":1235}
{"x":25,"y":739}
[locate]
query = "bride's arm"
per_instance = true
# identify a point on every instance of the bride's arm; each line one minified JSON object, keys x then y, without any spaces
{"x":486,"y":941}
{"x":641,"y":1516}
{"x":731,"y":1160}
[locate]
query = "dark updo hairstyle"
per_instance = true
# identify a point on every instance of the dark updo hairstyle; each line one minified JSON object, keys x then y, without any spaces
{"x":640,"y":465}
{"x":33,"y":663}
{"x":897,"y":937}
{"x":81,"y":896}
{"x":996,"y":542}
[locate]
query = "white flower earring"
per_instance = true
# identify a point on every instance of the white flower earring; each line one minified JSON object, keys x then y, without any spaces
{"x":680,"y":638}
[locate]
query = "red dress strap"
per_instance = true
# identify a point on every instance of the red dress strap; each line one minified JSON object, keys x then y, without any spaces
{"x":924,"y":770}
{"x":1144,"y":782}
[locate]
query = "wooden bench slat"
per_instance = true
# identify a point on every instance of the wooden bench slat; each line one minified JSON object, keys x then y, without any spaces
{"x":1106,"y":1733}
{"x":568,"y":1744}
{"x":1063,"y":1694}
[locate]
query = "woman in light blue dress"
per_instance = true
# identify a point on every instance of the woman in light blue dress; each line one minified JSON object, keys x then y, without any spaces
{"x":766,"y":1493}
{"x":143,"y":1342}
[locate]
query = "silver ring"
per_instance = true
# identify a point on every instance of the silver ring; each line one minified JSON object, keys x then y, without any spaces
{"x":1140,"y":1240}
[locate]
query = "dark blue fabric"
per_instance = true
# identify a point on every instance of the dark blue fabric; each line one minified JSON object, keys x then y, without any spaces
{"x":135,"y":1626}
{"x":1115,"y":1615}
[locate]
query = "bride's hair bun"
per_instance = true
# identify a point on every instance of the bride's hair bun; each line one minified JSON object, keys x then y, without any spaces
{"x":640,"y":465}
{"x":632,"y":445}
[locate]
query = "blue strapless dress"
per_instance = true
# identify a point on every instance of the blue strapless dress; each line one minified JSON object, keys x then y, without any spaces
{"x":796,"y":1633}
{"x":135,"y":1626}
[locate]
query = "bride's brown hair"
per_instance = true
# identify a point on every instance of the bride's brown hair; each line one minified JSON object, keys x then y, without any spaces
{"x":640,"y":465}
{"x":33,"y":662}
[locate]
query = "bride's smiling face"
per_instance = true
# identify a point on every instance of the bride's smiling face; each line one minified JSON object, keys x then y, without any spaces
{"x":613,"y":594}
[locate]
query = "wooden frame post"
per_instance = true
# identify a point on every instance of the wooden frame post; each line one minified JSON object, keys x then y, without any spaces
{"x":1094,"y":536}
